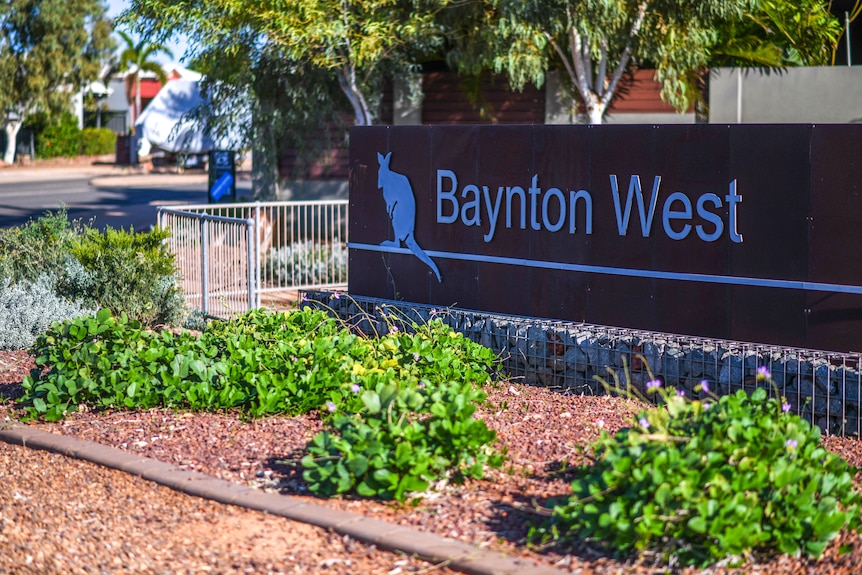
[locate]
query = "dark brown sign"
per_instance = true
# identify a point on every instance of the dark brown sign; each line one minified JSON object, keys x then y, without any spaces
{"x":750,"y":233}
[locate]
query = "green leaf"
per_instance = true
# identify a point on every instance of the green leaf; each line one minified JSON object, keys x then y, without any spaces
{"x":697,"y":524}
{"x":828,"y":523}
{"x":363,"y":490}
{"x":663,"y":493}
{"x":386,"y":477}
{"x":371,"y":401}
{"x":412,"y":484}
{"x":358,"y":465}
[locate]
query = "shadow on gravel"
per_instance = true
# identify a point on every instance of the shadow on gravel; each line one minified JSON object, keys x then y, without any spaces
{"x":287,"y":473}
{"x":10,"y":391}
{"x":566,"y":471}
{"x":512,"y":522}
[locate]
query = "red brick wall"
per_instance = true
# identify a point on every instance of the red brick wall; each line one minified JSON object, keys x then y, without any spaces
{"x":446,"y":102}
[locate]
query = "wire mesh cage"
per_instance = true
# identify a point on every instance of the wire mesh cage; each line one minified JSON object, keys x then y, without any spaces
{"x":823,"y":387}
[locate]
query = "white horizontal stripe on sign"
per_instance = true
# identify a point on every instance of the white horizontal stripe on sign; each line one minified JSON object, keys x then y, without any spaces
{"x":680,"y":276}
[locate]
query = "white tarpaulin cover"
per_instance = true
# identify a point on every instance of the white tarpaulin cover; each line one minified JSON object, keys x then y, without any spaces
{"x":162,"y":123}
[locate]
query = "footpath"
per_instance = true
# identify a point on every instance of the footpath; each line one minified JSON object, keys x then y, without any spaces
{"x":103,"y":174}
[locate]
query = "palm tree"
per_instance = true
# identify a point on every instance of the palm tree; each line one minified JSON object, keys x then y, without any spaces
{"x":136,"y":58}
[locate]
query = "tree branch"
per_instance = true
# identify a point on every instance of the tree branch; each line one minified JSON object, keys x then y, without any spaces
{"x":627,"y":52}
{"x":576,"y":48}
{"x":563,"y":57}
{"x":603,"y":69}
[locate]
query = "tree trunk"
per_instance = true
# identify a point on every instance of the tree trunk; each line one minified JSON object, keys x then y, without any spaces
{"x":346,"y":80}
{"x":11,"y":129}
{"x":264,"y":160}
{"x":596,"y":113}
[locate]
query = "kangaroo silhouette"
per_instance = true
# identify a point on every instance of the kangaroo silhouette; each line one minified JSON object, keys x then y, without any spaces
{"x":401,"y":207}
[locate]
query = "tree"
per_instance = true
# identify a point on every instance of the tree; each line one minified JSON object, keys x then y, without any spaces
{"x":779,"y":34}
{"x":48,"y":50}
{"x":253,"y":88}
{"x":135,"y":58}
{"x":299,"y":65}
{"x":355,"y":41}
{"x":596,"y":42}
{"x":850,"y":17}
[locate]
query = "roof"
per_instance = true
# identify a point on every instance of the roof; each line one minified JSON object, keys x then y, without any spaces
{"x":172,"y":70}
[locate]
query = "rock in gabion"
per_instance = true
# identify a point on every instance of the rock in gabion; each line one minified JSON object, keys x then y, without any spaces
{"x":823,"y":387}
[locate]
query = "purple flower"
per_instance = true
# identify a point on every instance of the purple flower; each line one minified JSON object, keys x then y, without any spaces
{"x":653,"y":384}
{"x":785,"y":407}
{"x":643,"y":422}
{"x":331,"y":407}
{"x":433,"y":311}
{"x":416,"y":356}
{"x":304,"y":297}
{"x":791,"y":444}
{"x":355,"y":388}
{"x":704,"y":386}
{"x":422,"y":384}
{"x":763,"y":373}
{"x":394,"y":329}
{"x":337,"y":295}
{"x":680,"y":392}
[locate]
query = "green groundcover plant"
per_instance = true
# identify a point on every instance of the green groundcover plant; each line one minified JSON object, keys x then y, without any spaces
{"x":401,"y":437}
{"x":262,"y":362}
{"x":399,"y":407}
{"x":697,"y":481}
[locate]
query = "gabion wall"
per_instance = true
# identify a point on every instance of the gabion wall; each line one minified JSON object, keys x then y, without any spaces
{"x":823,"y":387}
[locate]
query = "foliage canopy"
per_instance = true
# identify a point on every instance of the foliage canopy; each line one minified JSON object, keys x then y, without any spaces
{"x":49,"y":49}
{"x":597,"y":42}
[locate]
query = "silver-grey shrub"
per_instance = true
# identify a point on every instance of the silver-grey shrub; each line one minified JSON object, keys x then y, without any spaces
{"x":28,"y":308}
{"x":308,"y":263}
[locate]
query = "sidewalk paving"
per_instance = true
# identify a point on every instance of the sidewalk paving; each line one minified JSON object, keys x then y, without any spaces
{"x":102,"y":171}
{"x":58,"y":171}
{"x":132,"y":180}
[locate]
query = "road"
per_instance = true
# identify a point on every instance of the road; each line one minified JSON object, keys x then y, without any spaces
{"x":108,"y":201}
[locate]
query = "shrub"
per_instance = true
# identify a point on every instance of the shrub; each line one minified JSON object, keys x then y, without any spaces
{"x":132,"y":273}
{"x":703,"y":480}
{"x":308,"y":263}
{"x":103,"y":361}
{"x":406,"y":435}
{"x":28,"y":308}
{"x":45,"y":240}
{"x":266,"y":362}
{"x":409,"y":422}
{"x":267,"y":329}
{"x":57,"y":137}
{"x":96,"y":141}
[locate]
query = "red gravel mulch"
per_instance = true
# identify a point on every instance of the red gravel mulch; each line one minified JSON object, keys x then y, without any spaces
{"x":540,"y":428}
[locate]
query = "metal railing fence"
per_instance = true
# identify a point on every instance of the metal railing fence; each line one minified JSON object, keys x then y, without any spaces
{"x":212,"y":255}
{"x":223,"y":250}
